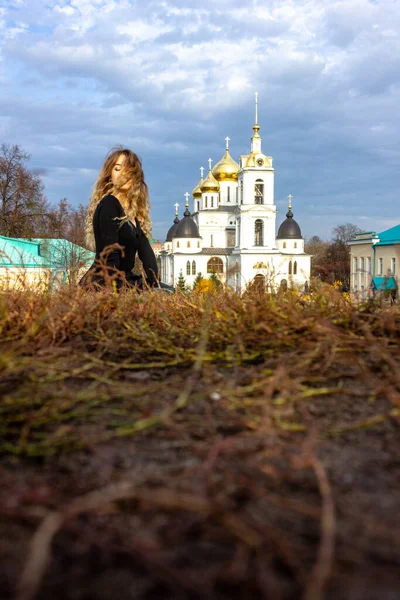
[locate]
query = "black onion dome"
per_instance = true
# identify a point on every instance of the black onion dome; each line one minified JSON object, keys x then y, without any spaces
{"x":172,"y":229}
{"x":187,"y":228}
{"x":289,"y":229}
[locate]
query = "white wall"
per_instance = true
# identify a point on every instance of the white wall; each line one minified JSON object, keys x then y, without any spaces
{"x":248,"y":216}
{"x":201,"y":267}
{"x":249,"y":180}
{"x":274,"y":267}
{"x":187,"y":245}
{"x":223,"y":193}
{"x":292,"y":246}
{"x":214,"y":223}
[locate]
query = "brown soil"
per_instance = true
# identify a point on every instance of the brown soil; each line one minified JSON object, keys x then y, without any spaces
{"x":276,"y":476}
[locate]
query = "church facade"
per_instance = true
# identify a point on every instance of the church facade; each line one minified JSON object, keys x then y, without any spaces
{"x":232,"y":228}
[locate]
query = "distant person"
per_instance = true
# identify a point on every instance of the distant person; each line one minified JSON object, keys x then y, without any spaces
{"x":119,"y":213}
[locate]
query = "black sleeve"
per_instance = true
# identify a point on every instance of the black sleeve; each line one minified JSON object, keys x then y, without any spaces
{"x":109,"y":226}
{"x":148,"y":259}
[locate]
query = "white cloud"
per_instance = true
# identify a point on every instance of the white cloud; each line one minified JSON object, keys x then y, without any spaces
{"x":68,"y":11}
{"x":174,"y":79}
{"x":11,"y":33}
{"x":140,"y":31}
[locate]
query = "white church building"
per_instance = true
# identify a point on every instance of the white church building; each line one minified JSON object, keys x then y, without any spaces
{"x":232,"y":229}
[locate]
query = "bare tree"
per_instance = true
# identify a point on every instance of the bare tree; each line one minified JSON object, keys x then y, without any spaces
{"x":342,"y":233}
{"x":22,"y":201}
{"x":318,"y":250}
{"x":331,"y":260}
{"x":337,"y":264}
{"x":66,"y":221}
{"x":66,"y":225}
{"x":315,"y":239}
{"x":77,"y":233}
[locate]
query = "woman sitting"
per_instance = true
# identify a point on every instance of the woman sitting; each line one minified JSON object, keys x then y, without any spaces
{"x":119,"y":223}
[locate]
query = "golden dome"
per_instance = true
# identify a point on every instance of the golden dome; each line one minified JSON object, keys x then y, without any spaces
{"x":210,"y":184}
{"x":197,"y":190}
{"x":226,"y":169}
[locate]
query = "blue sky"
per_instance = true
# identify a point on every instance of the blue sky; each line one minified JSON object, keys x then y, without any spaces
{"x":172,"y":79}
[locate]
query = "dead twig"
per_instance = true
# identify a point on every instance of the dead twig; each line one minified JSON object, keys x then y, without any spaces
{"x":40,"y":549}
{"x":183,"y":398}
{"x":324,"y":565}
{"x":39,"y":556}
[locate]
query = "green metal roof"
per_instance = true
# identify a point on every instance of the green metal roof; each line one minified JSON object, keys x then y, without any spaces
{"x":389,"y":236}
{"x":41,"y":253}
{"x":391,"y":243}
{"x":363,"y":237}
{"x":19,"y":252}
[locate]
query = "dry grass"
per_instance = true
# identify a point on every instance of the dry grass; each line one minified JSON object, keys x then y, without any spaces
{"x":73,"y":358}
{"x":251,"y":397}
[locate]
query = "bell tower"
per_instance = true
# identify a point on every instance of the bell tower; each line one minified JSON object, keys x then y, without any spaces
{"x":256,"y":196}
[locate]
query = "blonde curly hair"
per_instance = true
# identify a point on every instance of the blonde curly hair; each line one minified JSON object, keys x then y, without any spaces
{"x":135,"y":200}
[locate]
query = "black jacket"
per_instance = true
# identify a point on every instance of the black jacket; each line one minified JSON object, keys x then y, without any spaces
{"x":109,"y":230}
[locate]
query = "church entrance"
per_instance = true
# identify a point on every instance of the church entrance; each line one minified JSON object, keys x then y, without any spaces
{"x":259,"y":282}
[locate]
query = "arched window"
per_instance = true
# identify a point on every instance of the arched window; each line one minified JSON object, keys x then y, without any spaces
{"x":177,"y":244}
{"x":198,"y":205}
{"x":194,"y":267}
{"x":295,"y":268}
{"x":198,"y":244}
{"x":241,"y":191}
{"x":290,"y":267}
{"x":259,"y":192}
{"x":295,"y":244}
{"x":188,"y":244}
{"x":205,"y":200}
{"x":212,"y":201}
{"x":284,"y":244}
{"x":228,"y":194}
{"x":259,"y":282}
{"x":188,"y":267}
{"x":215,"y":265}
{"x":258,"y":233}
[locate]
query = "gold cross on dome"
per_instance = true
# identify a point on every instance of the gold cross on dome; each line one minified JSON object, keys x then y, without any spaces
{"x":187,"y":199}
{"x":209,"y":163}
{"x":227,"y":140}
